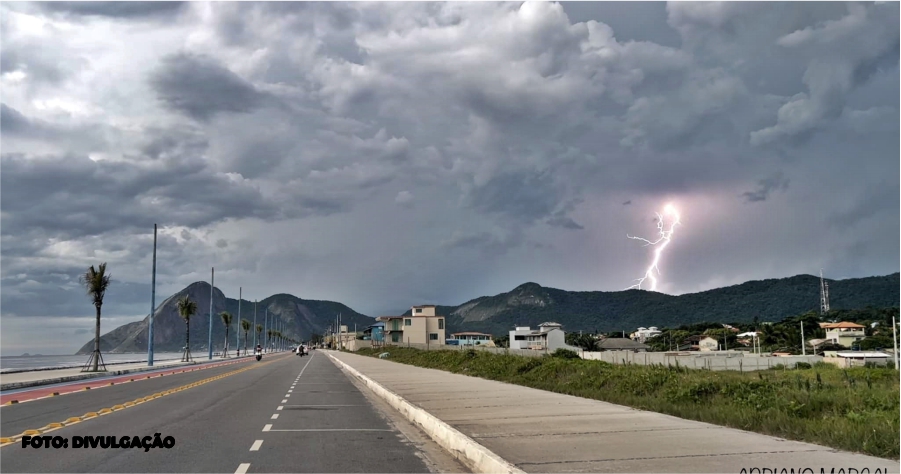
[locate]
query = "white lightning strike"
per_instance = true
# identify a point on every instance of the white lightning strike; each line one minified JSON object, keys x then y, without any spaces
{"x":664,"y":240}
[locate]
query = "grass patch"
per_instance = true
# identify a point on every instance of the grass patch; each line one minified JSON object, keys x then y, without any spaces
{"x":850,"y":409}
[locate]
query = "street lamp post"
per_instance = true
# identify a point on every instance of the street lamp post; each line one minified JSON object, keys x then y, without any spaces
{"x":152,"y":304}
{"x":210,"y":343}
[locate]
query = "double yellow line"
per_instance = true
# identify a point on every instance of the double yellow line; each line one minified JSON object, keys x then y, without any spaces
{"x":115,"y":408}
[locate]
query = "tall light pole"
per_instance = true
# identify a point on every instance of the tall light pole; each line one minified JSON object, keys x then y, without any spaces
{"x":266,"y":330}
{"x":238,"y":323}
{"x":152,"y":304}
{"x":254,"y":325}
{"x":212,"y":279}
{"x":803,"y":346}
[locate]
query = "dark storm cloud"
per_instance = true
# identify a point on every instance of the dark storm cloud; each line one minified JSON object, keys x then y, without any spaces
{"x":124,"y":10}
{"x":74,"y":196}
{"x":58,"y":293}
{"x":201,"y":87}
{"x":12,"y":121}
{"x":765,"y":187}
{"x":529,"y":144}
{"x":524,"y":196}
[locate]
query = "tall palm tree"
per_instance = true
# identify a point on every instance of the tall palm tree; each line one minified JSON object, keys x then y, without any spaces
{"x":96,"y":282}
{"x":245,"y":325}
{"x":227,"y":319}
{"x":259,"y":334}
{"x":186,"y":309}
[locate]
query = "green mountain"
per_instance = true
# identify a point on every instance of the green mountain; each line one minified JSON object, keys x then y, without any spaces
{"x":768,"y":300}
{"x":528,"y":304}
{"x":300,"y":319}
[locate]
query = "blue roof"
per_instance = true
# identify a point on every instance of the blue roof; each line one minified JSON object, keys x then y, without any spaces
{"x":378,"y":325}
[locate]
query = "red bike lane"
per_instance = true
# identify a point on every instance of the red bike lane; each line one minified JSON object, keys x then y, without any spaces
{"x":91,"y":384}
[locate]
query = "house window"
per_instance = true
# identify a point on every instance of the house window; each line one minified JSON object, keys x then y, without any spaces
{"x":440,"y":324}
{"x":433,"y":337}
{"x":519,"y":338}
{"x":395,"y":337}
{"x":418,"y":310}
{"x":408,"y":322}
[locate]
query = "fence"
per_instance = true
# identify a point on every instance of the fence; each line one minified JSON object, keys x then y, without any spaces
{"x":714,"y":360}
{"x":701,"y":360}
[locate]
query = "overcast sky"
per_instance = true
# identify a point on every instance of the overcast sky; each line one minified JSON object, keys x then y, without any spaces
{"x":391,"y":154}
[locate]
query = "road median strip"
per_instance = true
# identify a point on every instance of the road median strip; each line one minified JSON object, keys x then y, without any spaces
{"x":106,"y":411}
{"x":175,"y":371}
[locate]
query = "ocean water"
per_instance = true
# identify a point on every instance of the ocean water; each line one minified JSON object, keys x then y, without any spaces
{"x":47,"y":362}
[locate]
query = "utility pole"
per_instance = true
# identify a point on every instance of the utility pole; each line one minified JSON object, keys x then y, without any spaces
{"x":895,"y":341}
{"x":152,"y":304}
{"x":238,"y":323}
{"x":803,"y":346}
{"x":254,"y":329}
{"x":212,"y":276}
{"x":266,"y":330}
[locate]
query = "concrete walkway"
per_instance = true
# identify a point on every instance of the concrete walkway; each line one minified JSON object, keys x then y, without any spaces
{"x":541,"y":431}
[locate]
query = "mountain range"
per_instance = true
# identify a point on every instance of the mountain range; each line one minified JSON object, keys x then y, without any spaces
{"x":528,"y":304}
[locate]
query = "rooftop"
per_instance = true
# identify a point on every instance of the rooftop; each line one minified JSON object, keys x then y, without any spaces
{"x":470,"y":333}
{"x":841,"y":325}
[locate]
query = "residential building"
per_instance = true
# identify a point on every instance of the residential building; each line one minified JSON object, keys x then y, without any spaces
{"x":471,"y":339}
{"x":422,"y":327}
{"x":643,"y":334}
{"x":549,"y":337}
{"x":844,"y":333}
{"x":621,"y":344}
{"x":700,"y":343}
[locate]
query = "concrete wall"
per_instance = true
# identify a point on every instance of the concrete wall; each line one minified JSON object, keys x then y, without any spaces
{"x":719,"y":360}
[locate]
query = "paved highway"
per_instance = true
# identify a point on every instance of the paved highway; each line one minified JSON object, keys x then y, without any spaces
{"x":283,"y":414}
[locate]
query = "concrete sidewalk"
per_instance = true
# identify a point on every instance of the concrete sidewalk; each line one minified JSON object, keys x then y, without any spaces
{"x":36,"y":378}
{"x":539,"y":431}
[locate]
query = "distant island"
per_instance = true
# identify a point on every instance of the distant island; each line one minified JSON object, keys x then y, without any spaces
{"x":31,"y":355}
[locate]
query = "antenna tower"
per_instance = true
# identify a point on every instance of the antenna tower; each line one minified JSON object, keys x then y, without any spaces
{"x":824,"y":295}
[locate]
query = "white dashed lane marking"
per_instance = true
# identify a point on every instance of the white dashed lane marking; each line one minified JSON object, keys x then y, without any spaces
{"x":274,"y":417}
{"x":256,"y":445}
{"x":242,"y":468}
{"x":280,"y":407}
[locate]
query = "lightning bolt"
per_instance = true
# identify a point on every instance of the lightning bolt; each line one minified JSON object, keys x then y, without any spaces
{"x":663,"y":241}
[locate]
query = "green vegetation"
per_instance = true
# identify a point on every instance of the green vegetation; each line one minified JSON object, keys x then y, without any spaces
{"x":591,"y":311}
{"x":854,"y":409}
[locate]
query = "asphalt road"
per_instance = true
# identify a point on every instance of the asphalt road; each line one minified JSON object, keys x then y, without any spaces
{"x":284,"y":414}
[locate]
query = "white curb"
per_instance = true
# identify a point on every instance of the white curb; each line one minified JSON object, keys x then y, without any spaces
{"x":477,"y":457}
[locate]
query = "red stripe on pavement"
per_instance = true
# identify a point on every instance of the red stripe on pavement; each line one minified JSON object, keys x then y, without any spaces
{"x":42,"y":392}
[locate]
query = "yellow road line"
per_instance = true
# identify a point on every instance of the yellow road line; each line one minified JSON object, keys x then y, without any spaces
{"x":107,"y":411}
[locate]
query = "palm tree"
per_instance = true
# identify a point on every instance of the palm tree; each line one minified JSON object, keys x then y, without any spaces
{"x":227,"y":319}
{"x":186,"y":309}
{"x":245,"y":325}
{"x":96,"y":282}
{"x":259,"y":335}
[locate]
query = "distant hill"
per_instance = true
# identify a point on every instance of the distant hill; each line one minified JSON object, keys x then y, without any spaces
{"x":768,"y":300}
{"x":302,"y":318}
{"x":528,"y":304}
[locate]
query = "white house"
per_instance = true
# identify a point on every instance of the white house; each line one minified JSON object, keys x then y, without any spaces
{"x":643,"y":334}
{"x":549,"y":337}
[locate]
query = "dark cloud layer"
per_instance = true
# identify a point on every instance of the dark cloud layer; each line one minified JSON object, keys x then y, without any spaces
{"x":386,"y":154}
{"x":201,"y":87}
